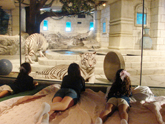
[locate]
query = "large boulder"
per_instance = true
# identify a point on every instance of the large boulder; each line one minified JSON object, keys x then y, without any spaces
{"x":9,"y":45}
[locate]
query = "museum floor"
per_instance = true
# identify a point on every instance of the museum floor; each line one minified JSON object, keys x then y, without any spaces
{"x":155,"y":81}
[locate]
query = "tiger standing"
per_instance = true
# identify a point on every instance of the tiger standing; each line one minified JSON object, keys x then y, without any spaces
{"x":33,"y":44}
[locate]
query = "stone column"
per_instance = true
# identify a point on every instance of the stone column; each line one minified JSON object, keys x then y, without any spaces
{"x":97,"y":17}
{"x":157,"y":32}
{"x":121,"y":24}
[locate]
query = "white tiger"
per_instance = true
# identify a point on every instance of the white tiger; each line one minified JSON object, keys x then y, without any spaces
{"x":87,"y":68}
{"x":35,"y":42}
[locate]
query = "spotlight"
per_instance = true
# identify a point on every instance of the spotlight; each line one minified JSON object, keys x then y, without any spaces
{"x":104,"y":4}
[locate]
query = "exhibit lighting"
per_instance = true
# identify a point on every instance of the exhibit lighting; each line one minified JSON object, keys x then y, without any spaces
{"x":45,"y":25}
{"x":104,"y":27}
{"x":104,"y":4}
{"x":91,"y":26}
{"x":68,"y":26}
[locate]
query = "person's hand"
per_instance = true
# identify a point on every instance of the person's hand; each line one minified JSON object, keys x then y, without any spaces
{"x":35,"y":83}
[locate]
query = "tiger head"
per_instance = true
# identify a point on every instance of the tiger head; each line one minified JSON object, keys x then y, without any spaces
{"x":88,"y":60}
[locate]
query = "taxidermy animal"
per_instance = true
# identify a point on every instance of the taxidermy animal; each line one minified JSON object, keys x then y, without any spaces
{"x":33,"y":44}
{"x":87,"y":68}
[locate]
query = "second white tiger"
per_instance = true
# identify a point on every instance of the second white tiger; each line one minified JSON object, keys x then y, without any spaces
{"x":87,"y":67}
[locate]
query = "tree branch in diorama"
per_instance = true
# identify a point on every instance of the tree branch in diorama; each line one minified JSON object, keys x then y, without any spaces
{"x":69,"y":7}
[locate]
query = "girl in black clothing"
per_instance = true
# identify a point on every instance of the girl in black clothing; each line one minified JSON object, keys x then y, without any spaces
{"x":23,"y":82}
{"x":69,"y":94}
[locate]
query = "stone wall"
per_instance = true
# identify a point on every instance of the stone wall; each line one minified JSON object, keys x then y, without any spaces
{"x":124,"y":33}
{"x":137,"y":29}
{"x":55,"y":25}
{"x":121,"y":24}
{"x":15,"y":21}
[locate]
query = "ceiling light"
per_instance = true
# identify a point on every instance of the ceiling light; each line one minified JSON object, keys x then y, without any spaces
{"x":104,"y":4}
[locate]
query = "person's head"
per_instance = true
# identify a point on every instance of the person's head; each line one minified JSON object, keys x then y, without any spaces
{"x":122,"y":75}
{"x":74,"y":70}
{"x":123,"y":78}
{"x":25,"y":68}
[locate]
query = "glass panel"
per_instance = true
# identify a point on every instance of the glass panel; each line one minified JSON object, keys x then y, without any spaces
{"x":9,"y":43}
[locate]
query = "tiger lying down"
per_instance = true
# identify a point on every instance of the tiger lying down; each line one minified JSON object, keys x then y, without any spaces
{"x":87,"y":67}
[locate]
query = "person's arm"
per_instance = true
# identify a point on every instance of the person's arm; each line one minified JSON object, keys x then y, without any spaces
{"x":4,"y":93}
{"x":131,"y":91}
{"x":112,"y":91}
